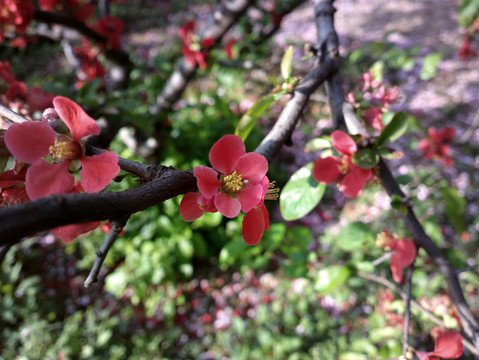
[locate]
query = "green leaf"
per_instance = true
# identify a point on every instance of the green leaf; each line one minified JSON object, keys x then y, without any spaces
{"x":393,"y":131}
{"x":429,"y":66}
{"x":404,"y":179}
{"x":318,"y":143}
{"x":250,"y":117}
{"x":3,"y":162}
{"x":330,"y":278}
{"x":468,"y":12}
{"x":455,"y":207}
{"x":286,"y":63}
{"x":366,"y":158}
{"x":353,"y":236}
{"x":301,"y":194}
{"x":398,"y":204}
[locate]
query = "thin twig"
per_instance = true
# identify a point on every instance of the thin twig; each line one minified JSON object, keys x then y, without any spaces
{"x":407,"y":312}
{"x":115,"y":229}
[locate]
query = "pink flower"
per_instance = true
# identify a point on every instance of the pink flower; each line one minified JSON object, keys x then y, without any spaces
{"x":351,"y":178}
{"x":466,"y":52}
{"x":229,"y":48}
{"x":31,"y":141}
{"x":436,"y":145}
{"x":191,"y":46}
{"x":254,"y":224}
{"x":193,"y":205}
{"x":239,"y":183}
{"x":12,"y":187}
{"x":372,"y":116}
{"x":111,"y":28}
{"x":448,"y":345}
{"x":403,"y":253}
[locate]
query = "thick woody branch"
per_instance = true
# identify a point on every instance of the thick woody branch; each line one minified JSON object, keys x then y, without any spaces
{"x":46,"y":213}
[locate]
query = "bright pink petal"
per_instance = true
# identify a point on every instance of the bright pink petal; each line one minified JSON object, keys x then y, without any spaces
{"x":44,"y":179}
{"x":68,"y":233}
{"x":252,"y":167}
{"x":354,"y":181}
{"x":225,"y":152}
{"x":326,"y":170}
{"x":422,"y":355}
{"x":77,"y":120}
{"x":207,"y":204}
{"x":189,"y":208}
{"x":250,"y":197}
{"x":98,"y":171}
{"x":29,"y":141}
{"x":266,"y":216}
{"x":227,"y":205}
{"x":404,"y":254}
{"x":448,"y":345}
{"x":343,"y":143}
{"x":253,"y":226}
{"x":207,"y":181}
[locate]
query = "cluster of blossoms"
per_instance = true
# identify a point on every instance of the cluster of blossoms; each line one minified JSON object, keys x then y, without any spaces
{"x":18,"y":96}
{"x":341,"y":170}
{"x":15,"y":16}
{"x":191,"y":46}
{"x":403,"y":253}
{"x":373,"y":99}
{"x":46,"y":160}
{"x":436,"y":145}
{"x":237,"y":183}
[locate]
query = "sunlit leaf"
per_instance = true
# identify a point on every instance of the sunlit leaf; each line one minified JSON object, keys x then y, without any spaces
{"x":330,"y":278}
{"x":393,"y":131}
{"x":468,"y":12}
{"x":353,"y":236}
{"x":429,"y":66}
{"x":286,"y":63}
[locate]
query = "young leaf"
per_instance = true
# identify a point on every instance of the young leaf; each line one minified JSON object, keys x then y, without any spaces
{"x":429,"y":66}
{"x":286,"y":63}
{"x":301,"y":194}
{"x":318,"y":144}
{"x":366,"y":158}
{"x":330,"y":278}
{"x":468,"y":12}
{"x":393,"y":131}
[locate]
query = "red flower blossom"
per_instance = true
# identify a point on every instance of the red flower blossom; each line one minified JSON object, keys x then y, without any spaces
{"x":91,"y":68}
{"x":229,"y":48}
{"x":351,"y":178}
{"x":191,"y":46}
{"x":31,"y":141}
{"x":466,"y":52}
{"x":39,"y":100}
{"x":239,"y":185}
{"x":17,"y":14}
{"x":111,"y":28}
{"x":12,"y":187}
{"x":80,"y":10}
{"x":448,"y":345}
{"x":372,"y":116}
{"x":403,"y":253}
{"x":436,"y":145}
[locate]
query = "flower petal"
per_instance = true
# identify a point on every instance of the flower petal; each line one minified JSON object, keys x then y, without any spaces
{"x":252,"y":167}
{"x":354,"y":181}
{"x":225,"y":152}
{"x":250,"y":197}
{"x":227,"y":205}
{"x":44,"y":179}
{"x":343,"y":143}
{"x":326,"y":170}
{"x":266,"y":216}
{"x":404,"y":254}
{"x":68,"y":233}
{"x":189,"y":208}
{"x":207,"y":181}
{"x":29,"y":141}
{"x":98,"y":171}
{"x":77,"y":120}
{"x":448,"y":345}
{"x":253,"y":226}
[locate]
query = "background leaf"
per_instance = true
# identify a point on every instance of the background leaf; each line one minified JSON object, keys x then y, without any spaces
{"x":393,"y":131}
{"x":429,"y":66}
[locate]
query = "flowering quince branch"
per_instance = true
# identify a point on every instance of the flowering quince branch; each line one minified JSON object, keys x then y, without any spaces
{"x":115,"y":230}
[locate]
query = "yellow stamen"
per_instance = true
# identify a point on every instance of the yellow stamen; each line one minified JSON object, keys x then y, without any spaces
{"x":344,"y":167}
{"x":273,"y":192}
{"x":384,"y":239}
{"x":65,"y":149}
{"x":232,"y":183}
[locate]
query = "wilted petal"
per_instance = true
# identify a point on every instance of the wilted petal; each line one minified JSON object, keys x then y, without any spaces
{"x":448,"y":345}
{"x":250,"y":197}
{"x":225,"y":152}
{"x":326,"y":170}
{"x":227,"y":205}
{"x":44,"y":179}
{"x":98,"y":171}
{"x":252,"y":167}
{"x":189,"y":208}
{"x":77,"y":120}
{"x":68,"y":233}
{"x":253,"y":226}
{"x":207,"y":181}
{"x":343,"y":143}
{"x":29,"y":141}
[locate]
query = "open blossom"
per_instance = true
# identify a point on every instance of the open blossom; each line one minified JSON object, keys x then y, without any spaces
{"x":436,"y":145}
{"x":448,"y":345}
{"x":32,"y":141}
{"x":351,"y":178}
{"x":239,"y":183}
{"x":191,"y":46}
{"x":403,"y":253}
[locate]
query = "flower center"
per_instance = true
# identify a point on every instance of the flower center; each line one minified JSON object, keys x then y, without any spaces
{"x":232,"y":183}
{"x":65,"y":149}
{"x":344,"y":166}
{"x":273,"y":192}
{"x":385,"y":240}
